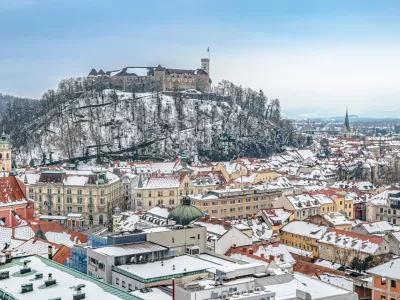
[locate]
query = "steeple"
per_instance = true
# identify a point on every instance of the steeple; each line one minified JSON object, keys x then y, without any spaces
{"x":346,"y":122}
{"x":140,"y":183}
{"x":3,"y":138}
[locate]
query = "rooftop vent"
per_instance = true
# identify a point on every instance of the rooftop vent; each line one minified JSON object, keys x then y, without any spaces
{"x":25,"y":268}
{"x":50,"y":281}
{"x":4,"y":275}
{"x":38,"y":275}
{"x":79,"y":294}
{"x":25,"y":288}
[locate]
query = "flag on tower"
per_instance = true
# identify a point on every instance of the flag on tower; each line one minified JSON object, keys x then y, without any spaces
{"x":208,"y":49}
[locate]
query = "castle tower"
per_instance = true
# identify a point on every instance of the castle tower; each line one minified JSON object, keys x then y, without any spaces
{"x":205,"y":65}
{"x":5,"y":154}
{"x":159,"y":74}
{"x":346,"y":133}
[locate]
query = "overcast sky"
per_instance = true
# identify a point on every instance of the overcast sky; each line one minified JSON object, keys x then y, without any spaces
{"x":317,"y":57}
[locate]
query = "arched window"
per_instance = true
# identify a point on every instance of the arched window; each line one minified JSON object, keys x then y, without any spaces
{"x":8,"y":155}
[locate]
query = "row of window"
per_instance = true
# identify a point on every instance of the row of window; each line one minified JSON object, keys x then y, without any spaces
{"x":69,"y":191}
{"x":7,"y":156}
{"x":241,"y":208}
{"x":79,"y":200}
{"x":238,"y":201}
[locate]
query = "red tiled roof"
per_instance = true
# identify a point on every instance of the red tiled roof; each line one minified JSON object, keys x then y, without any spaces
{"x":55,"y":227}
{"x":362,"y":237}
{"x":311,"y":269}
{"x":61,"y":255}
{"x":10,"y":190}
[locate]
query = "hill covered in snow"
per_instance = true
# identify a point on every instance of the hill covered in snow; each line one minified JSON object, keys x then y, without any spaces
{"x":83,"y":119}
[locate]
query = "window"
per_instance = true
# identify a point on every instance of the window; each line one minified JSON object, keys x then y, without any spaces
{"x":69,"y":208}
{"x":393,"y":283}
{"x":232,"y":202}
{"x":173,"y":240}
{"x":40,"y":191}
{"x":341,"y":202}
{"x":383,"y":280}
{"x":345,"y":206}
{"x":30,"y":190}
{"x":130,"y":287}
{"x":58,"y":199}
{"x":117,"y":281}
{"x":123,"y":283}
{"x":79,"y":200}
{"x":69,"y":191}
{"x":232,"y":209}
{"x":171,"y":193}
{"x":149,"y":194}
{"x":79,"y":192}
{"x":102,"y":201}
{"x":48,"y":191}
{"x":101,"y":192}
{"x":79,"y":209}
{"x":160,"y":193}
{"x":383,"y":297}
{"x":240,"y":208}
{"x":69,"y":199}
{"x":214,"y":211}
{"x":381,"y":210}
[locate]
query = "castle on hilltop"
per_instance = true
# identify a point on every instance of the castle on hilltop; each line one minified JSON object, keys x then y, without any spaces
{"x":145,"y":79}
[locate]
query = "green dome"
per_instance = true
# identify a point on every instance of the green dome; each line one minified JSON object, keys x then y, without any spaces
{"x":185,"y":213}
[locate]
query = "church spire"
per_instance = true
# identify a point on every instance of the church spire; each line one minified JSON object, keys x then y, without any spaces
{"x":346,"y":121}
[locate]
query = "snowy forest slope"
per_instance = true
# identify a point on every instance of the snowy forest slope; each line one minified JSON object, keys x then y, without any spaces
{"x":83,"y":118}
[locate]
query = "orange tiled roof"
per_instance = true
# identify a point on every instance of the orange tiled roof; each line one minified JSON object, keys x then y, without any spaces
{"x":10,"y":190}
{"x":55,"y":227}
{"x":61,"y":255}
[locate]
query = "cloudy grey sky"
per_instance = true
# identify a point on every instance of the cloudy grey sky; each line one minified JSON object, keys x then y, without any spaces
{"x":317,"y":57}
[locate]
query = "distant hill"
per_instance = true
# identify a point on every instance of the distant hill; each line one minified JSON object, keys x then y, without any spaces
{"x":9,"y":103}
{"x":82,"y":119}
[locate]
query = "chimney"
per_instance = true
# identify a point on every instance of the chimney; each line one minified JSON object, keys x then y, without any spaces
{"x":244,"y":250}
{"x":50,"y":253}
{"x":234,"y":246}
{"x":271,"y":257}
{"x":250,"y":250}
{"x":262,"y":255}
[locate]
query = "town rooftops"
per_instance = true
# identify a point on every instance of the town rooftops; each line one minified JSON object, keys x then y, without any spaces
{"x":178,"y":266}
{"x":305,"y":229}
{"x":303,"y":201}
{"x":352,"y":241}
{"x":389,"y":270}
{"x":376,"y":227}
{"x":129,"y":249}
{"x":65,"y":277}
{"x":290,"y":286}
